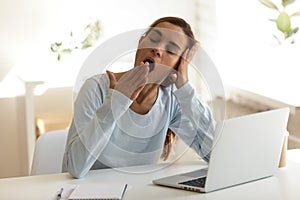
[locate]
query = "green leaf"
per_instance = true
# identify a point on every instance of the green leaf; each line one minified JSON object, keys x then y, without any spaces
{"x":287,"y":2}
{"x":277,"y":39}
{"x":66,"y":50}
{"x":93,"y":30}
{"x":58,"y":44}
{"x":269,"y":4}
{"x":283,"y":22}
{"x":92,"y":36}
{"x":53,"y":48}
{"x":292,"y":32}
{"x":273,"y":20}
{"x":296,"y":14}
{"x":295,"y":30}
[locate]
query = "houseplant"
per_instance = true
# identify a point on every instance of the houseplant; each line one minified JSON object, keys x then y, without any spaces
{"x":90,"y":34}
{"x":283,"y":21}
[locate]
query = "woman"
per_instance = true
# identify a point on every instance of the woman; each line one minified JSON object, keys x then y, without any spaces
{"x":129,"y":118}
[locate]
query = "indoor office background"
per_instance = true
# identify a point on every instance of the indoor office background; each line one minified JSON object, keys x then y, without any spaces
{"x":36,"y":90}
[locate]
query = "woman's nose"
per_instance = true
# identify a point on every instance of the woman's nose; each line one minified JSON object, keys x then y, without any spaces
{"x":157,"y":51}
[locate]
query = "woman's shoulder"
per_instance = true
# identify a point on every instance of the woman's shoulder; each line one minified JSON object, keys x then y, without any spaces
{"x":95,"y":85}
{"x":98,"y":79}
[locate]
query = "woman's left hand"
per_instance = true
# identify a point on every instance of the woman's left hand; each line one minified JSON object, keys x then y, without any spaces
{"x":182,"y":75}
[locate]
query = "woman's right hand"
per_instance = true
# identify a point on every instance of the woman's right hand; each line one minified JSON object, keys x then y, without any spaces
{"x":132,"y":82}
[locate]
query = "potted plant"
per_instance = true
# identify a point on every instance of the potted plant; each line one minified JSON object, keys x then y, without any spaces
{"x":92,"y":33}
{"x":283,"y":21}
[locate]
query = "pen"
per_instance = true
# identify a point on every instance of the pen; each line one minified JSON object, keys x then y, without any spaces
{"x":59,"y":194}
{"x":124,"y":190}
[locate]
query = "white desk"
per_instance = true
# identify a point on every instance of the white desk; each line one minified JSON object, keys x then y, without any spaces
{"x":285,"y":185}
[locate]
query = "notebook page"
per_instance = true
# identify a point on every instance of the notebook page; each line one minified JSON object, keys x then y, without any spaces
{"x":113,"y":191}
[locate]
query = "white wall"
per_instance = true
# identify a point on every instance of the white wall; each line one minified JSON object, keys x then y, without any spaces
{"x":29,"y":27}
{"x":248,"y":56}
{"x":11,"y":147}
{"x":55,"y":100}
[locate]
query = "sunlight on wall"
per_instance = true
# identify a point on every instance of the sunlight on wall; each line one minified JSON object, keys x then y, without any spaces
{"x":11,"y":86}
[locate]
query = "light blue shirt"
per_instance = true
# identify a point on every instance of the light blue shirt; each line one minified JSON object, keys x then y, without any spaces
{"x":105,"y":132}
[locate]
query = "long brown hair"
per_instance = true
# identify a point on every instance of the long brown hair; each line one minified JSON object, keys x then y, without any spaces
{"x":170,"y":136}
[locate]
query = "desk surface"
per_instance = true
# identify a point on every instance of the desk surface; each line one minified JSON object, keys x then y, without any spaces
{"x":283,"y":186}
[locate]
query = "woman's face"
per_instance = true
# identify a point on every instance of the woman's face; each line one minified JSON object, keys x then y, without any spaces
{"x":162,"y":48}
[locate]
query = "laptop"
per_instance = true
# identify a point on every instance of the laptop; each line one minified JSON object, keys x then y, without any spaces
{"x":244,"y":149}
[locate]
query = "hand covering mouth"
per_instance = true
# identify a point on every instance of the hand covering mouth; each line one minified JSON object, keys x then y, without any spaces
{"x":151,"y":64}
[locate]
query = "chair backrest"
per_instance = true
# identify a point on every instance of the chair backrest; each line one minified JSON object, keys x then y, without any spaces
{"x":49,"y":152}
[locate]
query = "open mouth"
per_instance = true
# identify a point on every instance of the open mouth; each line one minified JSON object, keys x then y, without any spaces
{"x":151,"y":64}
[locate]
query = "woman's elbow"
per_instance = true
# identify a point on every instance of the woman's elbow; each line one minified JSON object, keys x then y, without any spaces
{"x":76,"y":174}
{"x":73,"y":169}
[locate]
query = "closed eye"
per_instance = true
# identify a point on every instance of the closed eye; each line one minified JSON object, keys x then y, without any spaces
{"x":154,"y":40}
{"x":172,"y":50}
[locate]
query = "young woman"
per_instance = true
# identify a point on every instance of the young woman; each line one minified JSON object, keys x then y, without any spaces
{"x":130,"y":118}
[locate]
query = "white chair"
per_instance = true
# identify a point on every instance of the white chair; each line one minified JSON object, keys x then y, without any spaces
{"x":49,"y":152}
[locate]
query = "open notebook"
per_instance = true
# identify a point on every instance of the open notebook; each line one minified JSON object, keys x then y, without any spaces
{"x":99,"y":191}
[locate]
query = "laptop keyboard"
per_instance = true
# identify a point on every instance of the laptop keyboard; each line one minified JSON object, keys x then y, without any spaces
{"x":198,"y":182}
